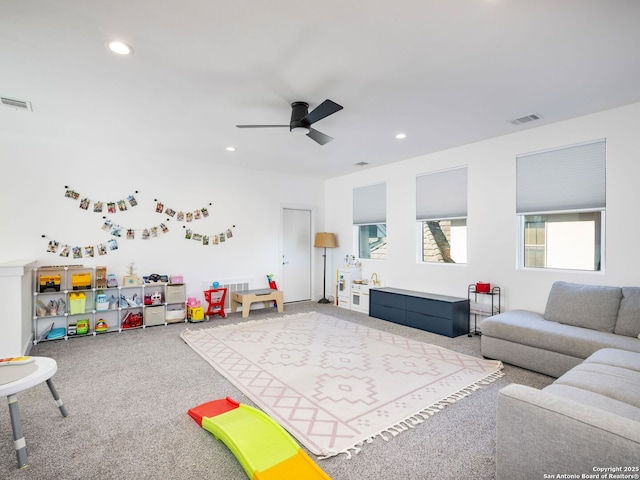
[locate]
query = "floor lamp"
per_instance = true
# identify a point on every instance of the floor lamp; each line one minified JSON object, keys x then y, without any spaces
{"x":325,"y":240}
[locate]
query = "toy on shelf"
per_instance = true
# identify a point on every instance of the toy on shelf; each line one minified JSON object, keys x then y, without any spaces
{"x":131,"y":279}
{"x":101,"y":326}
{"x":264,"y":449}
{"x":101,"y":277}
{"x":81,"y":281}
{"x":102,"y":303}
{"x":112,"y":281}
{"x":132,"y":320}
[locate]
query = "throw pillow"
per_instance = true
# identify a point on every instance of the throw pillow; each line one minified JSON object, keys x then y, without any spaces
{"x":589,"y":306}
{"x":629,"y":315}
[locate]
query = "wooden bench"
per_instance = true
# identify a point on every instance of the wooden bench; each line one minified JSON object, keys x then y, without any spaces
{"x":247,"y":297}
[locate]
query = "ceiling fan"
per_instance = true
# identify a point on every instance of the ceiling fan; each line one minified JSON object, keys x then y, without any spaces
{"x":302,"y":119}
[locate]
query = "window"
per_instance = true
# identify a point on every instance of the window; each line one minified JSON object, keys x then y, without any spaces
{"x":561,"y":200}
{"x":370,"y":217}
{"x":441,"y":212}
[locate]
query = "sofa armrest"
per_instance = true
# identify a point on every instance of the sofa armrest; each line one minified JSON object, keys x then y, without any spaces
{"x":541,"y":433}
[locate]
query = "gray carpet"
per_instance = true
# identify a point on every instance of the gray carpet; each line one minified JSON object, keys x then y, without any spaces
{"x":128,"y":396}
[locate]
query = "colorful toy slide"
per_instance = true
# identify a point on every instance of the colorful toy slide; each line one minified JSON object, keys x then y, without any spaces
{"x":264,"y":449}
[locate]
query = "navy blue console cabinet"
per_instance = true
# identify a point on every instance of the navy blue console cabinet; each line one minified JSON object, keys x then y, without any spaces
{"x":439,"y":314}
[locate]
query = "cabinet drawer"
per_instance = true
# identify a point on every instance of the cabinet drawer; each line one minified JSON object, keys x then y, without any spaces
{"x":439,"y":325}
{"x":154,"y":315}
{"x":390,"y":314}
{"x":388,"y":299}
{"x":176,"y":294}
{"x":432,"y":307}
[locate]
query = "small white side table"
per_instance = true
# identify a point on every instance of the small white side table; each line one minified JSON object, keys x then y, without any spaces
{"x":29,"y":375}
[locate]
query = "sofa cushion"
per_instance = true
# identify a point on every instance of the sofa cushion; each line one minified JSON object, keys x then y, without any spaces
{"x":523,"y":327}
{"x":588,"y":306}
{"x":617,"y":383}
{"x":616,"y":358}
{"x":595,"y":400}
{"x":628,"y":322}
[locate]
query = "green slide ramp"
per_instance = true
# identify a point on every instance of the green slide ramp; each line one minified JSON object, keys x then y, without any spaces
{"x":257,"y":441}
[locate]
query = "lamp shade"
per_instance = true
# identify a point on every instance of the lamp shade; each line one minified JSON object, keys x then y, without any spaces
{"x":325,"y":239}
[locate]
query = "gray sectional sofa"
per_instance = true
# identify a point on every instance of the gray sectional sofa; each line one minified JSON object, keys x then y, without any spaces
{"x":586,"y":424}
{"x":578,"y":320}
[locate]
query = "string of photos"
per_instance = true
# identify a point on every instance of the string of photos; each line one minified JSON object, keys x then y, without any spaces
{"x":119,"y":231}
{"x":180,"y":215}
{"x":65,"y":250}
{"x":112,"y":206}
{"x":209,"y":239}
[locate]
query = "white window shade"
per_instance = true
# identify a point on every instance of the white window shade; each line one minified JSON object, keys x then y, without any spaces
{"x":370,"y":204}
{"x":564,"y":179}
{"x":442,"y":195}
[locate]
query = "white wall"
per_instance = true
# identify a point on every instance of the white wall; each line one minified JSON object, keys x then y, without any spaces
{"x":32,"y":203}
{"x":492,"y":223}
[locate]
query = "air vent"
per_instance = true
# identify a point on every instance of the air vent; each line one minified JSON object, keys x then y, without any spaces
{"x":526,"y":119}
{"x":361,"y":164}
{"x":17,"y":104}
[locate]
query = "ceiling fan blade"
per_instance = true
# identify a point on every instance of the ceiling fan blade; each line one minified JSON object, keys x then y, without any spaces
{"x":319,"y":137}
{"x":261,"y":126}
{"x":326,"y":108}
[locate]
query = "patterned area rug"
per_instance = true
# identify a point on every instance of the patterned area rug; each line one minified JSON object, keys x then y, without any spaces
{"x":335,"y":385}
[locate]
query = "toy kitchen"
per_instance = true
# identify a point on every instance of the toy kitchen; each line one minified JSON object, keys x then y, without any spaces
{"x":353,"y":290}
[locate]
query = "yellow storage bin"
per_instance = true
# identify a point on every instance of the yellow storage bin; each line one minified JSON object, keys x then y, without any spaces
{"x":77,"y":303}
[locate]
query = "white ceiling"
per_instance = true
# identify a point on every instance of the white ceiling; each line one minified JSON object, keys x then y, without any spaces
{"x":447,"y":72}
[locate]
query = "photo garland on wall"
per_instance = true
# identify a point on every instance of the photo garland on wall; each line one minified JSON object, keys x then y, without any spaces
{"x":65,"y":250}
{"x":118,"y":231}
{"x":99,"y":206}
{"x":181,"y":215}
{"x":215,"y":239}
{"x":130,"y":233}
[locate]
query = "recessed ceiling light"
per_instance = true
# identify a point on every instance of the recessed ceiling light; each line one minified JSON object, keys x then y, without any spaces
{"x":401,"y":136}
{"x":121,"y":48}
{"x":231,"y":149}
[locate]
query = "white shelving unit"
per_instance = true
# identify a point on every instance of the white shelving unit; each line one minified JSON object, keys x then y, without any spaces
{"x":64,"y":297}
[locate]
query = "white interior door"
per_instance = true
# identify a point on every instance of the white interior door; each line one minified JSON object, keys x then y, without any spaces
{"x":296,"y":255}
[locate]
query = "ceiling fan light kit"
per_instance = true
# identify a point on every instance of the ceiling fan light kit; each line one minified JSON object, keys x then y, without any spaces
{"x":302,"y":119}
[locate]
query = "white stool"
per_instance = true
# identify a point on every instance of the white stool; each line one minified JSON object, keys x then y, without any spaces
{"x":28,"y":375}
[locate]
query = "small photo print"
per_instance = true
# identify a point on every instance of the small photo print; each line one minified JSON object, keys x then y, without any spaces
{"x":146,"y":234}
{"x":188,"y":234}
{"x":102,"y":249}
{"x":164,"y":228}
{"x":65,"y":251}
{"x":84,"y":203}
{"x":181,"y":216}
{"x":53,"y":246}
{"x":160,"y":207}
{"x":221,"y":237}
{"x":113,"y":244}
{"x":205,"y":239}
{"x":77,"y":252}
{"x":111,"y":207}
{"x":216,"y":240}
{"x":88,"y":251}
{"x":122,"y":205}
{"x":106,"y":226}
{"x":189,"y":217}
{"x":97,"y":207}
{"x":197,"y":214}
{"x":132,"y":200}
{"x":171,"y":212}
{"x":154,"y":232}
{"x":116,"y":230}
{"x":131,"y":234}
{"x":205,"y":212}
{"x":229,"y":233}
{"x":72,"y":194}
{"x":197,"y":237}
